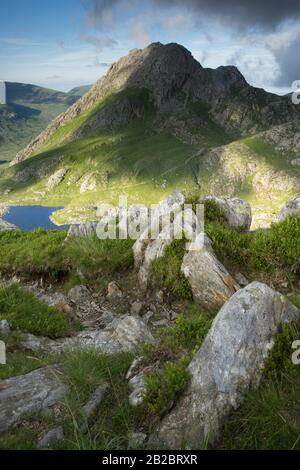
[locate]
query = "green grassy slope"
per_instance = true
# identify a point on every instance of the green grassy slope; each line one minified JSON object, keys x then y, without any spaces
{"x":28,"y":111}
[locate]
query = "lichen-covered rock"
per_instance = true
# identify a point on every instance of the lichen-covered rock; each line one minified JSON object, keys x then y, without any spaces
{"x":30,"y":393}
{"x":230,"y":361}
{"x":290,"y":208}
{"x":137,"y":385}
{"x":122,"y":334}
{"x":210,"y":282}
{"x":237,"y":211}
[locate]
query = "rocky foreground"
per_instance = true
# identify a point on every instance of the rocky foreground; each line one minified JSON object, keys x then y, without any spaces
{"x":230,"y":361}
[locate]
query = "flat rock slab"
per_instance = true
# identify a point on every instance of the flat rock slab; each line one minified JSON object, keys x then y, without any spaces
{"x":230,"y":361}
{"x":29,"y":393}
{"x":122,"y":334}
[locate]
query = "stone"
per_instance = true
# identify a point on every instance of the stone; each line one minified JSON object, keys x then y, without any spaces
{"x":5,"y":328}
{"x":56,"y":178}
{"x":229,"y":363}
{"x":92,"y":405}
{"x":136,"y":308}
{"x":78,"y":294}
{"x":292,"y":207}
{"x":134,"y":367}
{"x":30,"y":393}
{"x":82,"y":230}
{"x":6,"y":225}
{"x":125,"y":333}
{"x":138,"y":386}
{"x":54,"y":436}
{"x":209,"y":280}
{"x":136,"y":440}
{"x":237,"y":211}
{"x":113,"y":291}
{"x":241,"y":279}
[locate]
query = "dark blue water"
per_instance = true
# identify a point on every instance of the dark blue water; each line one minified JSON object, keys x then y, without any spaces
{"x":32,"y":217}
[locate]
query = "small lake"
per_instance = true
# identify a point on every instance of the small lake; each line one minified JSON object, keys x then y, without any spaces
{"x":32,"y":217}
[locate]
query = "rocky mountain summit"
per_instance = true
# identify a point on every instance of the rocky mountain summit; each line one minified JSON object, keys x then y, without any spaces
{"x":174,"y":78}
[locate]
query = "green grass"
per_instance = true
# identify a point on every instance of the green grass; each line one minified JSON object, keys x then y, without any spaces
{"x":269,"y":418}
{"x":27,"y":313}
{"x":44,"y":252}
{"x":273,"y":253}
{"x":167,"y":270}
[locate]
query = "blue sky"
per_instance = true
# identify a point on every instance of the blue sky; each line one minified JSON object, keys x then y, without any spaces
{"x":66,"y":43}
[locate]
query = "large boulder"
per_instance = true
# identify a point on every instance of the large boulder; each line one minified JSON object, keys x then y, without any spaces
{"x":30,"y":393}
{"x":237,"y":211}
{"x":290,"y":208}
{"x":230,"y":361}
{"x":122,"y":334}
{"x":210,"y":282}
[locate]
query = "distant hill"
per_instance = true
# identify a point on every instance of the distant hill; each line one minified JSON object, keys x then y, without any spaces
{"x":28,"y":111}
{"x":80,"y":90}
{"x":159,"y":121}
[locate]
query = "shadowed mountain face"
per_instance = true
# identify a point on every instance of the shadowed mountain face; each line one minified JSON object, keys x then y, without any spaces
{"x":28,"y":110}
{"x":157,"y":121}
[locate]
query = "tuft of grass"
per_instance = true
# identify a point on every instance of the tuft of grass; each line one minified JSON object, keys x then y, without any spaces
{"x":165,"y":385}
{"x":25,"y":312}
{"x":269,"y":417}
{"x":95,"y":257}
{"x":273,"y":252}
{"x":167,"y":270}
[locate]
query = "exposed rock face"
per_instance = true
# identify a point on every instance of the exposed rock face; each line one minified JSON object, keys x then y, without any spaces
{"x":210,"y":282}
{"x":230,"y":361}
{"x":290,"y":208}
{"x":30,"y":393}
{"x":56,"y":178}
{"x":122,"y":334}
{"x":237,"y":212}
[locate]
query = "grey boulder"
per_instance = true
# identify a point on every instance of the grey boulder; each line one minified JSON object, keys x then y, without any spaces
{"x":30,"y":393}
{"x":230,"y":361}
{"x":290,"y":208}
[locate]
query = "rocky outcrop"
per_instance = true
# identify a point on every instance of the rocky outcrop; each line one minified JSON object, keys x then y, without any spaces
{"x":210,"y":282}
{"x":56,"y":178}
{"x":82,"y":230}
{"x":30,"y":393}
{"x":122,"y":334}
{"x":230,"y":361}
{"x":146,"y":249}
{"x":290,"y":208}
{"x":237,"y":211}
{"x":164,"y":71}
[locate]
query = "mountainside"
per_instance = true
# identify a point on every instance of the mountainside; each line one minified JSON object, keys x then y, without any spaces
{"x":158,"y":121}
{"x":28,"y":111}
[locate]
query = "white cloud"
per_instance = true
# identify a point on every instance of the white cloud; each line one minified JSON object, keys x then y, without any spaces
{"x":174,"y":22}
{"x":139,"y":33}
